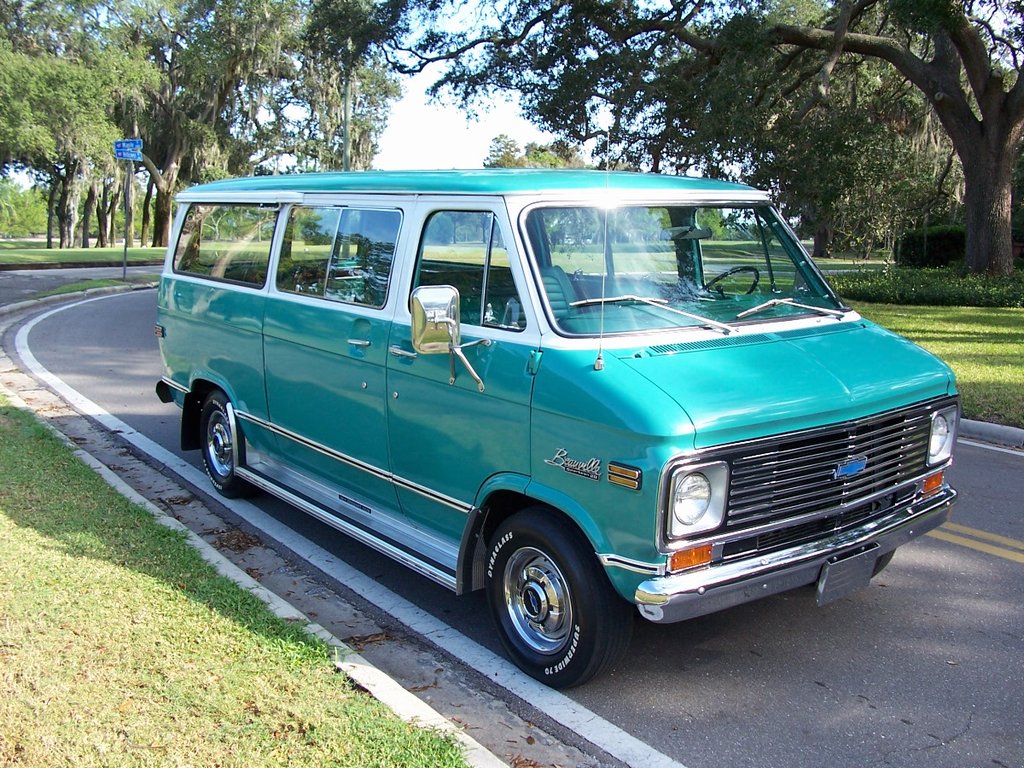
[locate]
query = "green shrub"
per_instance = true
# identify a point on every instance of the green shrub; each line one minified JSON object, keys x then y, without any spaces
{"x":931,"y":246}
{"x":942,"y":287}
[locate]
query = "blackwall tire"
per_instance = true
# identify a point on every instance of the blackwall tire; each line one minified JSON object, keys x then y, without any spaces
{"x":882,"y":562}
{"x":557,"y":614}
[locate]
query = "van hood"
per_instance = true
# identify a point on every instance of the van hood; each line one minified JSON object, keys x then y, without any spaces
{"x":754,"y":385}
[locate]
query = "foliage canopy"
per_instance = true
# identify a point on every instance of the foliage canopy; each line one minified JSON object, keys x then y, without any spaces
{"x":785,"y":88}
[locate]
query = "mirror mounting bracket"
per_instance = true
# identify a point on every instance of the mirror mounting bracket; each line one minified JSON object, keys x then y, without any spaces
{"x":436,"y":329}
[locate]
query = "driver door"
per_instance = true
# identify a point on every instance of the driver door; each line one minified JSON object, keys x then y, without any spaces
{"x":447,"y":438}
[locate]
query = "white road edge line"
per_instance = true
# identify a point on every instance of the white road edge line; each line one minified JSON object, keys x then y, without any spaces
{"x":560,"y":708}
{"x":996,"y":448}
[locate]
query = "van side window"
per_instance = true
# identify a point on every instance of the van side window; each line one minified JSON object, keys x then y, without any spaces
{"x":226,"y":242}
{"x":464,"y":249}
{"x":339,"y":254}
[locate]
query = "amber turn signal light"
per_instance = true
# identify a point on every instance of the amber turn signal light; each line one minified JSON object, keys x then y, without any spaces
{"x":932,"y":484}
{"x":690,"y":558}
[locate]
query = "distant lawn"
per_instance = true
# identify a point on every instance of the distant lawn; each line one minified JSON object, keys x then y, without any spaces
{"x":30,"y":252}
{"x":984,"y":346}
{"x":120,"y":646}
{"x":850,"y":264}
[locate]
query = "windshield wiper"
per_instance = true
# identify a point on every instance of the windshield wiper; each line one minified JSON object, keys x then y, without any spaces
{"x":789,"y":303}
{"x":659,"y":303}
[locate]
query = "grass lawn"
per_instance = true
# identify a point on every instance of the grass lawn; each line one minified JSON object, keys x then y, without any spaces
{"x":29,"y":252}
{"x":984,"y":346}
{"x":120,"y":646}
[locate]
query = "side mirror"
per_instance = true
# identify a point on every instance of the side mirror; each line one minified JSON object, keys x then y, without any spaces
{"x":435,"y":319}
{"x":435,"y":328}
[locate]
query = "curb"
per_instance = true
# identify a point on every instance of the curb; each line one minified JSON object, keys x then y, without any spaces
{"x":999,"y":434}
{"x":408,"y":707}
{"x":57,"y":298}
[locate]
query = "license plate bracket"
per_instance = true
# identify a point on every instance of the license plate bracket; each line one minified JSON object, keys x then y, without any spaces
{"x":841,"y":577}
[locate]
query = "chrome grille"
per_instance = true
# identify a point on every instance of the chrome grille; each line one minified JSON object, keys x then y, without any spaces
{"x":794,"y":475}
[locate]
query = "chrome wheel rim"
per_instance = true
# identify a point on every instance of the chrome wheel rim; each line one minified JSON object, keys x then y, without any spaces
{"x":538,"y":600}
{"x":219,"y":444}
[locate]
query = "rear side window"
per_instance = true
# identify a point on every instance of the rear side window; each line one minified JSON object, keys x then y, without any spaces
{"x":339,"y":254}
{"x":227,"y":242}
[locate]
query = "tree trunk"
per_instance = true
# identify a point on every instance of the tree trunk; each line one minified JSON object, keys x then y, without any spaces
{"x":67,"y":202}
{"x":115,"y":198}
{"x":822,"y":241}
{"x":101,"y":216}
{"x":162,"y":219}
{"x":988,"y":186}
{"x":146,"y":212}
{"x":165,"y":180}
{"x":51,"y":210}
{"x":90,"y":207}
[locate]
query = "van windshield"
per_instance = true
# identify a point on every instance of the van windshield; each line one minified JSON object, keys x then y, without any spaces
{"x":643,"y":268}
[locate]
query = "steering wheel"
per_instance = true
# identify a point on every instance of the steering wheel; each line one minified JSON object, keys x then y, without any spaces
{"x":730,"y":272}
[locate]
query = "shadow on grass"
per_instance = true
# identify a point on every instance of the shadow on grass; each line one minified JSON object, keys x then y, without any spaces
{"x":48,"y":490}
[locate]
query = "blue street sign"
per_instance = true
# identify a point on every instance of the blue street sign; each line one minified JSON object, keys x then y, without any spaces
{"x":128,"y":149}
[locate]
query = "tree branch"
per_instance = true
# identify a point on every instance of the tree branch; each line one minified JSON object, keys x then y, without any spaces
{"x":821,"y":88}
{"x":937,"y":80}
{"x":490,"y":38}
{"x":975,"y":59}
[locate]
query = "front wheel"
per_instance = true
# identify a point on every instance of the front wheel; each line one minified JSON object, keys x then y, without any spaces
{"x":882,"y":562}
{"x":218,"y":446}
{"x":557,"y":615}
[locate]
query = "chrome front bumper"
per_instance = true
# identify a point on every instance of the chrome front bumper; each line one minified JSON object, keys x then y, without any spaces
{"x":665,"y":599}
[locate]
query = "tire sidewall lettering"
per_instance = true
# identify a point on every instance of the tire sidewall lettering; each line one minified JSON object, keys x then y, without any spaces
{"x":496,"y":551}
{"x":567,"y":659}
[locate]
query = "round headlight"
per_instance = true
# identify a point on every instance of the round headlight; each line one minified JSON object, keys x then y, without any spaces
{"x":691,"y":499}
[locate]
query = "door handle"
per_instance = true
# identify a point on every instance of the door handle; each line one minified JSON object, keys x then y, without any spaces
{"x":359,"y":342}
{"x":397,"y":351}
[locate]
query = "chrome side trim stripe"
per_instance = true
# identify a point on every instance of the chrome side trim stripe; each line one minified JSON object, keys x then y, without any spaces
{"x":175,"y":385}
{"x":382,"y":474}
{"x":636,"y":566}
{"x":315,"y":446}
{"x":407,"y":559}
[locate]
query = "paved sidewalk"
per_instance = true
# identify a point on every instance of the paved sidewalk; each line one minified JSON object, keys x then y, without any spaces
{"x":23,"y":284}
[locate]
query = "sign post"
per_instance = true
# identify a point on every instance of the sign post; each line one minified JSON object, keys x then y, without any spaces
{"x":129,"y":150}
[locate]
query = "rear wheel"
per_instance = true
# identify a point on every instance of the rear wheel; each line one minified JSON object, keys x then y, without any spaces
{"x":218,"y":446}
{"x":557,"y":615}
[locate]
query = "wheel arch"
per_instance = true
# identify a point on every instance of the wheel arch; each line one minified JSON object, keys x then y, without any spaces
{"x":192,"y":409}
{"x":500,"y":499}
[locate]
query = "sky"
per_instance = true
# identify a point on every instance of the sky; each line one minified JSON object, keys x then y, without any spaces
{"x":423,"y":135}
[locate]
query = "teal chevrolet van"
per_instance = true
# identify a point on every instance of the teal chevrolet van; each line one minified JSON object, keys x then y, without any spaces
{"x":592,"y":395}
